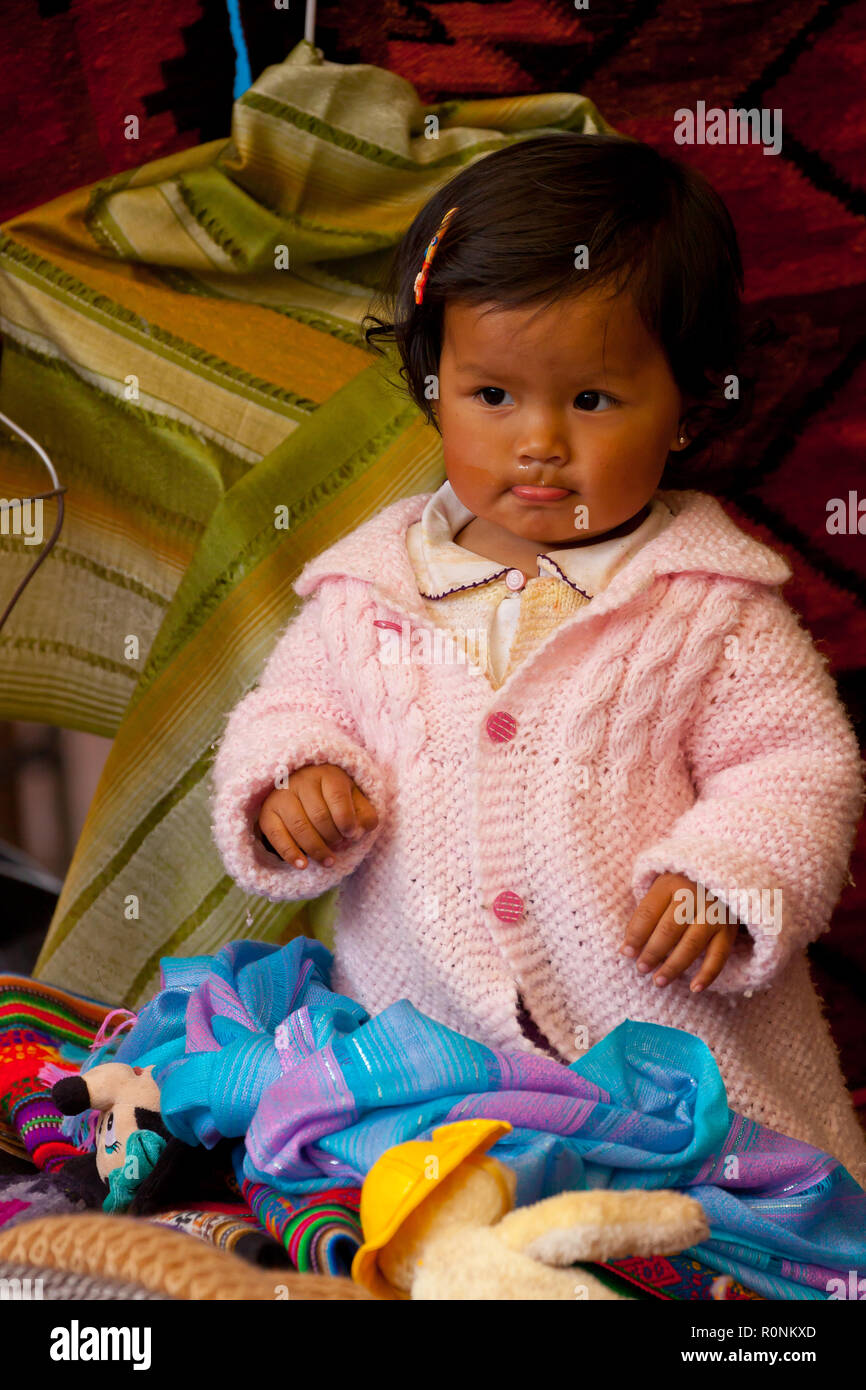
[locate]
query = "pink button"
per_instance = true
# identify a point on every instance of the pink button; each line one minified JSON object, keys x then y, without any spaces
{"x":507,"y":906}
{"x":515,"y":579}
{"x":501,"y":726}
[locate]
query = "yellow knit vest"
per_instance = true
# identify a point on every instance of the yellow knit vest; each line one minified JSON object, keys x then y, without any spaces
{"x":546,"y":601}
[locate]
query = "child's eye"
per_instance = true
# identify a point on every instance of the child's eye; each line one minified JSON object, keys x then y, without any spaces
{"x":589,"y":400}
{"x":592,"y":402}
{"x":496,"y":390}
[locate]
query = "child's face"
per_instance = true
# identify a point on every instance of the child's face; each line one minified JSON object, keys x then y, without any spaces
{"x":578,"y":396}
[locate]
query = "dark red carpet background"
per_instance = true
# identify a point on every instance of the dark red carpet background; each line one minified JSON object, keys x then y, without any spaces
{"x":73,"y":69}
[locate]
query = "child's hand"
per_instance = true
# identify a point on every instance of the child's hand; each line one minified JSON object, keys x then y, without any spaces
{"x":654,"y":934}
{"x":320,"y":810}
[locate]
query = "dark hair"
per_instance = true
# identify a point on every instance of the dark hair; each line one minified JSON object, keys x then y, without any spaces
{"x":650,"y":224}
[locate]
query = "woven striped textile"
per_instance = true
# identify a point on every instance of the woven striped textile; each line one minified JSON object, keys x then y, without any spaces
{"x":320,"y":1235}
{"x":187,"y":388}
{"x":232,"y":1228}
{"x":36,"y":1021}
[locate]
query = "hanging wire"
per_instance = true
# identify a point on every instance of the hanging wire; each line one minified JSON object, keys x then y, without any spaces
{"x":310,"y":22}
{"x":243,"y":75}
{"x":243,"y":72}
{"x":57,"y":491}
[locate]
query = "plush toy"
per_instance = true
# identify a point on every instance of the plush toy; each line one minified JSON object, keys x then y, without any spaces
{"x":436,"y":1214}
{"x":438,"y":1224}
{"x":138,"y":1166}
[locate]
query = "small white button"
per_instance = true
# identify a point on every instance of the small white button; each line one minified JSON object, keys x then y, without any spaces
{"x":515,"y":579}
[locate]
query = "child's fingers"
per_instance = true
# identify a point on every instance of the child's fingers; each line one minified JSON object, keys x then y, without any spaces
{"x":645,"y":918}
{"x":338,"y":791}
{"x":364,"y":809}
{"x":279,"y":838}
{"x":296,"y":824}
{"x":320,"y":836}
{"x":666,"y":935}
{"x":717,"y":954}
{"x":318,"y":813}
{"x":693,"y":942}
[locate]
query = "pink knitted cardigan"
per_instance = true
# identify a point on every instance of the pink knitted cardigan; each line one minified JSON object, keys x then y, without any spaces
{"x":683,"y":721}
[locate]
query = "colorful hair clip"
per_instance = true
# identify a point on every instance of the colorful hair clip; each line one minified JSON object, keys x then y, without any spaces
{"x":421,"y":277}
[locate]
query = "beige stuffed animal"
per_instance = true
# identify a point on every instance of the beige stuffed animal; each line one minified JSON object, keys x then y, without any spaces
{"x":127,"y":1099}
{"x":438,"y":1224}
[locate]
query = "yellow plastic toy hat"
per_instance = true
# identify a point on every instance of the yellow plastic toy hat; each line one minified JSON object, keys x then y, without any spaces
{"x":399,"y":1182}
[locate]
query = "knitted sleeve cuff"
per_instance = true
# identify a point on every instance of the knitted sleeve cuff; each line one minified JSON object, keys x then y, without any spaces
{"x":240,"y":788}
{"x":751,"y":896}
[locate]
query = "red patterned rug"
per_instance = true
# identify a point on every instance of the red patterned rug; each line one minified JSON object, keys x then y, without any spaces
{"x":75,"y":68}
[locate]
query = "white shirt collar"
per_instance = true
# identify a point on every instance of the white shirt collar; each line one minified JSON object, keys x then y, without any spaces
{"x":441,"y":566}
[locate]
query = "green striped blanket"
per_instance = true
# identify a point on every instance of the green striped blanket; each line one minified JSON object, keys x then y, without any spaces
{"x":217,"y":421}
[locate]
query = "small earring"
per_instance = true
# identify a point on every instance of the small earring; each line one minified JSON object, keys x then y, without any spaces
{"x":683,"y":439}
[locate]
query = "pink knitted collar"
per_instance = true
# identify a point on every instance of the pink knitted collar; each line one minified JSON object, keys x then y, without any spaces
{"x":702,"y":538}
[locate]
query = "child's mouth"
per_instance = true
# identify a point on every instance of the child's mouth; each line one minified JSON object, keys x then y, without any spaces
{"x":540,"y":494}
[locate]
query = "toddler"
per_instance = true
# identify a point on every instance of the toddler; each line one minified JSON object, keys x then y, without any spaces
{"x":552,"y":728}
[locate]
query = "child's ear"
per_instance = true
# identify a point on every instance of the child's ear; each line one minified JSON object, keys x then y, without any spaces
{"x":685,"y":424}
{"x":682,"y":436}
